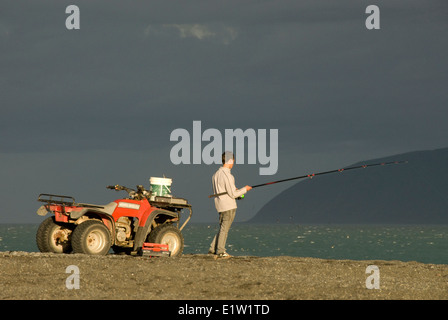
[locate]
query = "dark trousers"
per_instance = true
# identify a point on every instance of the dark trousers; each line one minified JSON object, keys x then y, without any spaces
{"x":218,"y":244}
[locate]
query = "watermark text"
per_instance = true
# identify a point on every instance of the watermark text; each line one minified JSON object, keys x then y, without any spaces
{"x":189,"y":148}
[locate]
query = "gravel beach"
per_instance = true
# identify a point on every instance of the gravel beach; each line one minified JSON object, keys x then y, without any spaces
{"x":27,"y":275}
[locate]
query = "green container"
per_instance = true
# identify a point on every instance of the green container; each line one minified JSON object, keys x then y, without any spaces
{"x":160,"y":186}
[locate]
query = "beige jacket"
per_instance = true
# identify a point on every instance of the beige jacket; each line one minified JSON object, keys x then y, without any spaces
{"x":223,"y":181}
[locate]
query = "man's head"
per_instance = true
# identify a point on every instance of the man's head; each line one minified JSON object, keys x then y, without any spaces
{"x":228,"y":159}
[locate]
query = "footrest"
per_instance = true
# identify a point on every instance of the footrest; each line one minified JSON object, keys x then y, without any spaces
{"x":155,"y":250}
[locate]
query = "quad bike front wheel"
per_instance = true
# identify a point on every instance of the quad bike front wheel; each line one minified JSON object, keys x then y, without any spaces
{"x":53,"y":237}
{"x":170,"y":235}
{"x":91,"y":237}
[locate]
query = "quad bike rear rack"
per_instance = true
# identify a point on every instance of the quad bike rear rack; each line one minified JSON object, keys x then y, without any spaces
{"x":56,"y":199}
{"x":65,"y":201}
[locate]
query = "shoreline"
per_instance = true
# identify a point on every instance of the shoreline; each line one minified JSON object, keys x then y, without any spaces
{"x":34,"y":275}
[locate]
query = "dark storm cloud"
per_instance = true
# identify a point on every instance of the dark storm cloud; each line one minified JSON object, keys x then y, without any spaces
{"x":147,"y":68}
{"x":337,"y":92}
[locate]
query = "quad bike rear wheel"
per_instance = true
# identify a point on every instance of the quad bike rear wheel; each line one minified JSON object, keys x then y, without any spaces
{"x":170,"y":235}
{"x":53,"y":237}
{"x":91,"y":237}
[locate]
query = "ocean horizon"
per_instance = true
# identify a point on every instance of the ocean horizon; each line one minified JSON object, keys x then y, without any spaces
{"x":421,"y":243}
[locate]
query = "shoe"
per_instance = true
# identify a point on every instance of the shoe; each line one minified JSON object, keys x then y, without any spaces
{"x":224,"y":255}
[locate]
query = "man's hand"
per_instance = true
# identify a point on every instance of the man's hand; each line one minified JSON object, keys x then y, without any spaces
{"x":248,"y":188}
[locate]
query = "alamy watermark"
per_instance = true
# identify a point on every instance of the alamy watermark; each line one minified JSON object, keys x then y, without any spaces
{"x":72,"y":281}
{"x":72,"y":22}
{"x":189,"y":148}
{"x":373,"y":280}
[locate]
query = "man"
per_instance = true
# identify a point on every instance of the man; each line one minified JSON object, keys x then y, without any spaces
{"x":223,"y":181}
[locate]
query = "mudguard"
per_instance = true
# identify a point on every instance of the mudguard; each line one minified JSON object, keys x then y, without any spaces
{"x":143,"y":231}
{"x":107,"y":210}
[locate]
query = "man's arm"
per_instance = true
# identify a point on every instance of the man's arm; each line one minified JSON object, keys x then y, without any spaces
{"x":231,"y":189}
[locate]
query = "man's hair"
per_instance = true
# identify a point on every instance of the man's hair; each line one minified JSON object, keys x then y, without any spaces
{"x":226,"y":156}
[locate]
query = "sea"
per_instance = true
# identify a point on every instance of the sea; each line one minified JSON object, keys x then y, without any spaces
{"x":421,"y":243}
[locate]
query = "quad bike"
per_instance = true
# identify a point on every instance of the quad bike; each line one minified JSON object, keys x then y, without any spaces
{"x":125,"y":225}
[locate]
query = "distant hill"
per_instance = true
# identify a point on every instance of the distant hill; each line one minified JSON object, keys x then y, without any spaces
{"x":412,"y":193}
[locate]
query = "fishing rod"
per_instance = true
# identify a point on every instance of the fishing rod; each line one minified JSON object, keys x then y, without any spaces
{"x":312,"y":175}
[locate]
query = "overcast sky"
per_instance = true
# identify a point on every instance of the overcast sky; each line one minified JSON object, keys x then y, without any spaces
{"x":82,"y":109}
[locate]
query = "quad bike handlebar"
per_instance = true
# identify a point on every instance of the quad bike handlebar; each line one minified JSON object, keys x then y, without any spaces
{"x":139,"y":194}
